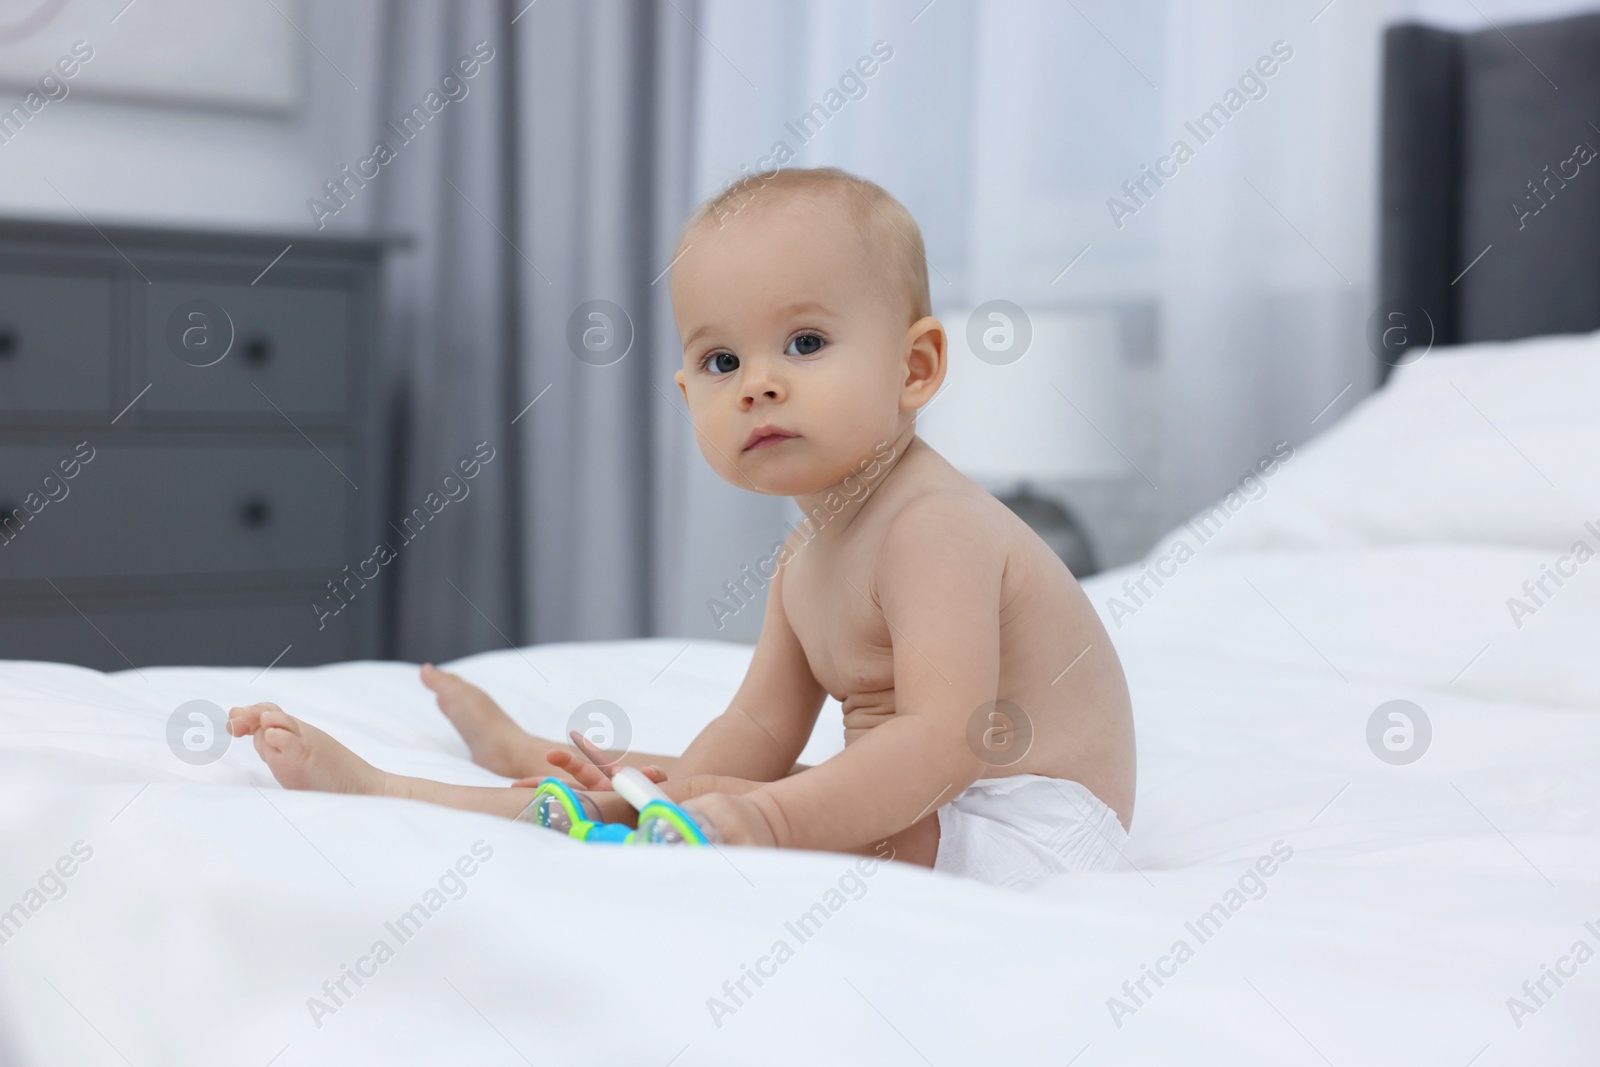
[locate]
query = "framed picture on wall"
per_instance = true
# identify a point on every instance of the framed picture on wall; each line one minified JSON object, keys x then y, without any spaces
{"x":240,"y":54}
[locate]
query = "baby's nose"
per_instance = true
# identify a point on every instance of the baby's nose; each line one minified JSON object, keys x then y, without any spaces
{"x":762,"y":383}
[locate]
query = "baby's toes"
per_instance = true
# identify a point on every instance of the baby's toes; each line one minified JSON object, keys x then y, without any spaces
{"x":242,"y":721}
{"x":278,"y":734}
{"x":438,"y":680}
{"x":274,"y":717}
{"x":247,"y":719}
{"x":290,"y":751}
{"x":278,"y":742}
{"x":288,"y":755}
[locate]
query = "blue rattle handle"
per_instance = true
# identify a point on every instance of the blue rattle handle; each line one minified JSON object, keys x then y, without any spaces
{"x":610,"y":833}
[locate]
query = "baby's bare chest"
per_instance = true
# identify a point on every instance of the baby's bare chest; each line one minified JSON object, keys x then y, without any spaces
{"x":832,"y":600}
{"x":831,"y":604}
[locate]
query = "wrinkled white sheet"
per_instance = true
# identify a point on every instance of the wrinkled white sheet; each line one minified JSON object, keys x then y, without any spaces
{"x":1416,"y":899}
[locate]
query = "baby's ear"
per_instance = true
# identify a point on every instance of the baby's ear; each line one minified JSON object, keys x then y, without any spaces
{"x":927,"y":352}
{"x":677,"y":376}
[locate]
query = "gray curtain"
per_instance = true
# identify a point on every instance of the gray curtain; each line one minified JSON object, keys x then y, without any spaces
{"x":555,"y":179}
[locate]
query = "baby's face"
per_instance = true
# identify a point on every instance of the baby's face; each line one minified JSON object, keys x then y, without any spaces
{"x":784,"y":327}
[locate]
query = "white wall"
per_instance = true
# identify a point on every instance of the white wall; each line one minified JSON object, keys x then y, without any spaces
{"x":133,"y":161}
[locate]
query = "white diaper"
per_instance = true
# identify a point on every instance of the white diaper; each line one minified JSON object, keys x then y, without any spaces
{"x":1018,"y":831}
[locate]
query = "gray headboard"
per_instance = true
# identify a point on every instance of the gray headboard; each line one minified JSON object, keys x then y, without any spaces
{"x":1483,"y":173}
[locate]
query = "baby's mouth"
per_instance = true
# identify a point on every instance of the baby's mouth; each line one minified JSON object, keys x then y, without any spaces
{"x":765,"y":437}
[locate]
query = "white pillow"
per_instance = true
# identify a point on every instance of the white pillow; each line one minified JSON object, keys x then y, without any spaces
{"x":1492,"y":443}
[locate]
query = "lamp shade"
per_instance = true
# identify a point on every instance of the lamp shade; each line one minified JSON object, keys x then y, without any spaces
{"x":1030,"y":396}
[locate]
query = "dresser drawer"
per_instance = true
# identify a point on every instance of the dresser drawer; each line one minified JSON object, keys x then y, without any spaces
{"x":136,"y":509}
{"x":55,"y":343}
{"x":235,"y":629}
{"x":243,"y":349}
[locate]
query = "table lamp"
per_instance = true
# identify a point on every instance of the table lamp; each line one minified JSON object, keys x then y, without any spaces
{"x":1032,"y":397}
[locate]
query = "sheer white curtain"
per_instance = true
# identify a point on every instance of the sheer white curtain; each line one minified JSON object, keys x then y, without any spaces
{"x":1267,"y":233}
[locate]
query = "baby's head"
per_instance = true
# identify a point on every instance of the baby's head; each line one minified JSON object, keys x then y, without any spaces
{"x":801,"y":299}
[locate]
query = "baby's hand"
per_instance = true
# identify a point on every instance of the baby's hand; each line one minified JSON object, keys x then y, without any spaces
{"x":734,"y":820}
{"x":586,"y":775}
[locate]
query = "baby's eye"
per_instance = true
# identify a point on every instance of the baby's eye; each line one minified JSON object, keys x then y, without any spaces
{"x":804,"y":344}
{"x":720,"y":363}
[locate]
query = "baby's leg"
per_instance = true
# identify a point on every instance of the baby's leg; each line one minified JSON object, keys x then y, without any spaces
{"x":301,"y":756}
{"x":917,"y":844}
{"x":498,"y":744}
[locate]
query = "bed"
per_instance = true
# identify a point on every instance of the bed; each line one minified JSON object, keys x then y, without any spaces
{"x":1367,"y":827}
{"x":1337,"y":906}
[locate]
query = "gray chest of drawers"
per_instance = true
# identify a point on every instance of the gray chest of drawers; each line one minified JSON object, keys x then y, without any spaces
{"x":187,"y":458}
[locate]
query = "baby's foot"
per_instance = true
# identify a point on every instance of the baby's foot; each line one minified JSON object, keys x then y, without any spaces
{"x":496,"y":743}
{"x":301,"y":756}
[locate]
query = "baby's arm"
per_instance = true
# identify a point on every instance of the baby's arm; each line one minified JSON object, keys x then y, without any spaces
{"x":937,"y":582}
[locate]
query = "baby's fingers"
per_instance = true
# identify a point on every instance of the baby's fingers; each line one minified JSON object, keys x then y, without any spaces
{"x":597,"y":755}
{"x":587,"y":775}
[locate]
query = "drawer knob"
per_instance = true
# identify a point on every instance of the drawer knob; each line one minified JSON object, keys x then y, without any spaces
{"x":258,"y":349}
{"x":255,"y":512}
{"x":9,"y":342}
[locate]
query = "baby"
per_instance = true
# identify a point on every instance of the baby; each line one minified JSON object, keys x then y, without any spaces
{"x":987,"y":723}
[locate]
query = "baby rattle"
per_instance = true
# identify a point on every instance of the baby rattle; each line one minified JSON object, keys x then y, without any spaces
{"x":556,"y":806}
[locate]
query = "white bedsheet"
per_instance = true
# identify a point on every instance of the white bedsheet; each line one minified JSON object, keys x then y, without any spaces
{"x":1362,"y":912}
{"x":1417,"y":899}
